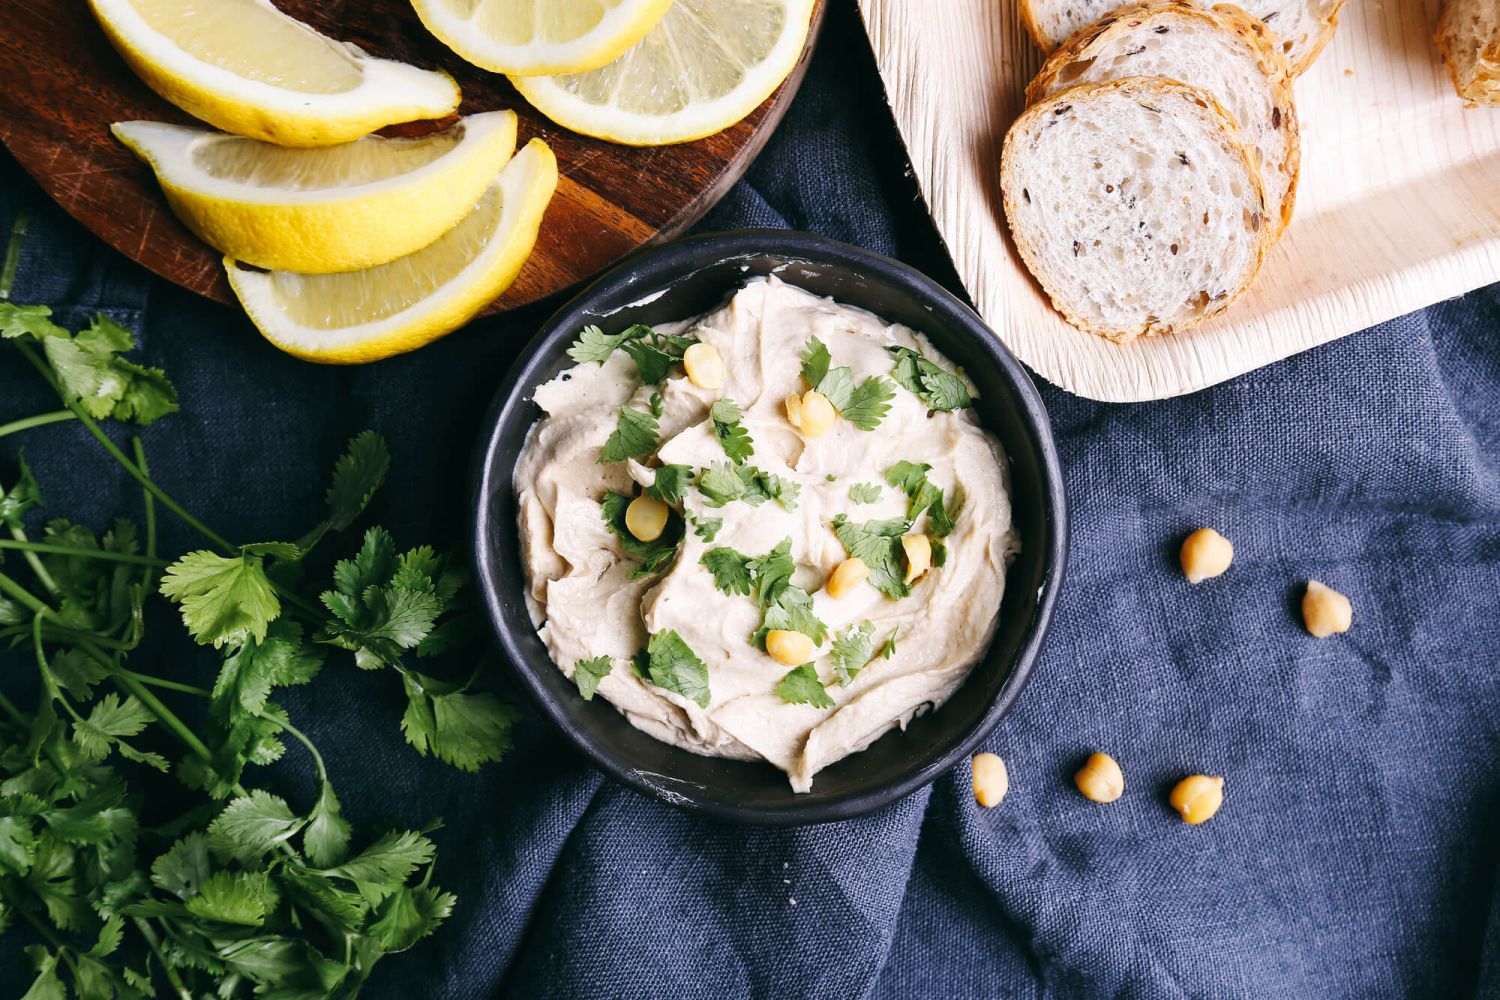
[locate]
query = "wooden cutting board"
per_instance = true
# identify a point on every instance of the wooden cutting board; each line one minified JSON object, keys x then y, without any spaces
{"x":65,"y":85}
{"x":1398,"y":208}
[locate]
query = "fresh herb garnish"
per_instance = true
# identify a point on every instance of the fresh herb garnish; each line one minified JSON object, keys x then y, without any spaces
{"x":865,"y":492}
{"x":634,"y":436}
{"x":769,"y":579}
{"x":670,"y":483}
{"x":939,"y":388}
{"x":594,"y":344}
{"x":652,"y":556}
{"x":888,"y":649}
{"x":241,"y":891}
{"x":911,"y":479}
{"x":654,"y":353}
{"x":864,"y":405}
{"x":852,"y":650}
{"x":707,"y":528}
{"x":801,"y":687}
{"x":588,"y":673}
{"x":673,"y":666}
{"x":722,"y":483}
{"x":878,"y":544}
{"x":725,"y":414}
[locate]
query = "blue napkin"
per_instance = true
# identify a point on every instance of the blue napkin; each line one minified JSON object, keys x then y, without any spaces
{"x":1355,"y":855}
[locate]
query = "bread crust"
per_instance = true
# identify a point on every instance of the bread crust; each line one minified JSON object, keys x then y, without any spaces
{"x":1252,"y":33}
{"x":1483,"y":83}
{"x":1145,"y":86}
{"x":1031,"y":21}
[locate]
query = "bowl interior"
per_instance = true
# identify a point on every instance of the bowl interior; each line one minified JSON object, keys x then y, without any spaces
{"x":691,"y":277}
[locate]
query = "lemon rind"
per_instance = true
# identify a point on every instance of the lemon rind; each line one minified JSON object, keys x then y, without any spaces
{"x":601,"y":46}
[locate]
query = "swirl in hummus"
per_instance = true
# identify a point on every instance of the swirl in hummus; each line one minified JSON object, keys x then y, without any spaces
{"x":761,"y":513}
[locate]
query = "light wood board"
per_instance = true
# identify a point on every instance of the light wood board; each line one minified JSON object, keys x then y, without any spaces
{"x":1399,"y":205}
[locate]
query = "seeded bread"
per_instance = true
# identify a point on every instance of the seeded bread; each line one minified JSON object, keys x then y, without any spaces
{"x":1135,"y":204}
{"x":1301,"y":27}
{"x":1468,"y":36}
{"x":1223,"y":50}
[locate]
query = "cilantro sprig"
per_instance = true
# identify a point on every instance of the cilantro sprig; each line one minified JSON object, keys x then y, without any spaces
{"x":654,"y":353}
{"x":238,"y":890}
{"x":722,"y":483}
{"x":939,"y":388}
{"x":864,"y":404}
{"x":768,"y":579}
{"x":801,"y":686}
{"x":911,"y":479}
{"x":652,"y":556}
{"x":634,"y":436}
{"x":878,"y":544}
{"x":730,"y":430}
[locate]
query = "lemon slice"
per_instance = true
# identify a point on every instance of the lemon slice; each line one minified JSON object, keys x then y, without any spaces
{"x":338,"y":208}
{"x":247,"y":68}
{"x":705,"y":66}
{"x":372,"y":314}
{"x":528,"y":37}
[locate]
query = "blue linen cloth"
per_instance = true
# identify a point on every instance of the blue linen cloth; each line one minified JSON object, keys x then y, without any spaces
{"x":1355,"y":855}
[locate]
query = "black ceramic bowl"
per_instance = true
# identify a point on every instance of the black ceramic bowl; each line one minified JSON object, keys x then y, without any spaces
{"x":690,"y":277}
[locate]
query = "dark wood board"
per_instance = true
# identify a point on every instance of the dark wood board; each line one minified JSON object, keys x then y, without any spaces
{"x":64,"y":85}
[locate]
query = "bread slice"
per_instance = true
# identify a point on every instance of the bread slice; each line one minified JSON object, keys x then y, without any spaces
{"x":1301,"y":27}
{"x":1223,"y":50}
{"x":1468,"y":36}
{"x":1135,"y":204}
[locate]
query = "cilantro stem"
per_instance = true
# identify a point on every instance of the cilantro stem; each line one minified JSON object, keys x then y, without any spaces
{"x":10,"y":709}
{"x":40,"y":420}
{"x":68,"y":550}
{"x":13,"y":253}
{"x":165,"y":684}
{"x":119,"y":456}
{"x":299,"y":602}
{"x":146,"y":497}
{"x":127,"y":681}
{"x":23,"y":595}
{"x":302,"y":738}
{"x":154,"y":944}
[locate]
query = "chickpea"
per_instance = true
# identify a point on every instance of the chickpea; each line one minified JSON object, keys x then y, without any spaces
{"x":1100,"y":779}
{"x":1205,"y":554}
{"x":1325,"y":611}
{"x":791,"y":649}
{"x":991,"y":780}
{"x":646,"y":517}
{"x":918,"y":550}
{"x":704,"y":366}
{"x":846,"y":576}
{"x":1197,"y":797}
{"x":793,"y":403}
{"x":818,"y":414}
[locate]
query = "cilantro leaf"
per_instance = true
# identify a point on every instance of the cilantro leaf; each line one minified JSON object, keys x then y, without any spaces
{"x":90,"y":372}
{"x":801,"y":687}
{"x":939,"y":388}
{"x":225,"y":599}
{"x":241,"y":898}
{"x":409,"y":915}
{"x":719,"y":484}
{"x":464,"y":729}
{"x":651,"y":362}
{"x":383,"y":604}
{"x":707,"y":528}
{"x":730,"y":431}
{"x":792,"y":611}
{"x":867,"y":405}
{"x":670,"y":484}
{"x":652,"y":555}
{"x":325,"y":839}
{"x":911,"y":478}
{"x":731,"y":570}
{"x":109,"y":721}
{"x":21,"y":497}
{"x":252,"y":825}
{"x":673,"y":666}
{"x":27,"y":321}
{"x":815,"y":361}
{"x":594,"y":344}
{"x":380,"y":869}
{"x":888,"y":649}
{"x":852,"y":650}
{"x":865,"y":492}
{"x":184,"y":867}
{"x":772,"y":573}
{"x":878,"y":544}
{"x":359,"y":472}
{"x":588,"y":673}
{"x":634,"y":435}
{"x":761,"y":486}
{"x":837,"y":386}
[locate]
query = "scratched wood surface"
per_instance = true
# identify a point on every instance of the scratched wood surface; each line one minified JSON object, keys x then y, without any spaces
{"x":1399,"y":204}
{"x":64,"y":85}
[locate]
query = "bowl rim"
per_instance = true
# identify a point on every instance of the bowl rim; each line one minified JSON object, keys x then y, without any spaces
{"x":680,"y":259}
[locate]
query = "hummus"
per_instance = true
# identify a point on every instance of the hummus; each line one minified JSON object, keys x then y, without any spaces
{"x":598,"y":612}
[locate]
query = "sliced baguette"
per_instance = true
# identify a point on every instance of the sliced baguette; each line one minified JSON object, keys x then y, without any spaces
{"x":1301,"y":27}
{"x":1222,"y":50}
{"x":1468,"y":36}
{"x":1135,"y":204}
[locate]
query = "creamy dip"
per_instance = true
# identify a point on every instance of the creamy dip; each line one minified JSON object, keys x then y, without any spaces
{"x":590,"y":600}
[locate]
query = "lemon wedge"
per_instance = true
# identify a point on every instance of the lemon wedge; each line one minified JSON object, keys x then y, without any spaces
{"x":247,"y":68}
{"x":528,"y":37}
{"x":705,"y":66}
{"x":372,"y":314}
{"x":338,"y":208}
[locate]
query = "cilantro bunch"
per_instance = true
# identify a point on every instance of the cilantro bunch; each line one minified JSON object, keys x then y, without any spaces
{"x":244,"y":892}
